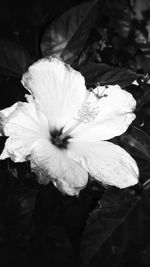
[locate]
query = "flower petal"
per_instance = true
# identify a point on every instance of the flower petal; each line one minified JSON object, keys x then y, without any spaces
{"x":105,"y":130}
{"x":18,"y":149}
{"x":44,"y":178}
{"x":53,"y":165}
{"x":3,"y":116}
{"x":106,"y":162}
{"x":23,"y":124}
{"x":57,"y":88}
{"x":66,"y":188}
{"x":116,"y":101}
{"x":114,"y":115}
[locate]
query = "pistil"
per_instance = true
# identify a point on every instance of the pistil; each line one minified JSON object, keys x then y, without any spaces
{"x":87,"y":113}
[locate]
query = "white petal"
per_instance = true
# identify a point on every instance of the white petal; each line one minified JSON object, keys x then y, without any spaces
{"x":3,"y":116}
{"x":115,"y":114}
{"x":117,"y":101}
{"x":53,"y":164}
{"x":66,"y":188}
{"x":44,"y":178}
{"x":23,"y":124}
{"x":104,"y":130}
{"x":106,"y":162}
{"x":62,"y":186}
{"x":57,"y":88}
{"x":17,"y":148}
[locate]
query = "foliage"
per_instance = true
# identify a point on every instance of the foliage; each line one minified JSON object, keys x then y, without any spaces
{"x":109,"y":43}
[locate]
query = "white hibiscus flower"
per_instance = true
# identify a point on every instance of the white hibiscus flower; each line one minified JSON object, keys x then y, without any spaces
{"x":62,"y":129}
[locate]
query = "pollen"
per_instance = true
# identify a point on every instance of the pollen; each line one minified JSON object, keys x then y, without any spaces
{"x":87,"y":113}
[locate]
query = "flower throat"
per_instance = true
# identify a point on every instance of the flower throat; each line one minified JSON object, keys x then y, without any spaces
{"x":57,"y":140}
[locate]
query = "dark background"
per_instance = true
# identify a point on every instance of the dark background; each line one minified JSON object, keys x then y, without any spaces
{"x":14,"y":11}
{"x":38,"y":225}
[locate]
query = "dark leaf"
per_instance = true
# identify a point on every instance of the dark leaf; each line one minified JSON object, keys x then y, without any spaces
{"x":139,"y":7}
{"x":119,"y":15}
{"x":53,"y":248}
{"x":104,"y":74}
{"x":114,"y":207}
{"x":144,"y":98}
{"x":67,"y":35}
{"x":14,"y":59}
{"x":137,"y":143}
{"x":20,"y":207}
{"x":23,"y":200}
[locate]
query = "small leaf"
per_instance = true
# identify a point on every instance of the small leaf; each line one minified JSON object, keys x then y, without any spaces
{"x":115,"y":206}
{"x":66,"y":36}
{"x":104,"y":74}
{"x":14,"y":59}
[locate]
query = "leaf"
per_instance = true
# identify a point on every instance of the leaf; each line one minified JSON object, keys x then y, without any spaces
{"x":144,"y":98}
{"x":118,"y":16}
{"x":115,"y":206}
{"x":139,"y":7}
{"x":104,"y":74}
{"x":14,"y":59}
{"x":137,"y":143}
{"x":67,"y":35}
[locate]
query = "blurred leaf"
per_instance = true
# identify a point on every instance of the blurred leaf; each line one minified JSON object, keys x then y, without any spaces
{"x":117,"y":16}
{"x":67,"y":35}
{"x":144,"y":96}
{"x":104,"y":74}
{"x":20,"y":206}
{"x":53,"y":248}
{"x":23,"y":200}
{"x":14,"y":59}
{"x":113,"y":210}
{"x":137,"y":143}
{"x":139,"y":7}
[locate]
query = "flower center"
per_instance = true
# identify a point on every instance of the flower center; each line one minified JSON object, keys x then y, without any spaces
{"x":57,"y":140}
